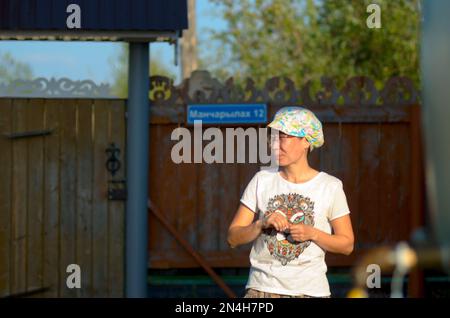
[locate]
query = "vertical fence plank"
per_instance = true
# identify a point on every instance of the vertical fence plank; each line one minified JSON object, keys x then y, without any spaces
{"x":332,"y":152}
{"x":84,"y":169}
{"x":417,"y":173}
{"x":188,"y":201}
{"x":351,"y":172}
{"x":368,"y":195}
{"x":229,"y":198}
{"x":208,"y":208}
{"x":208,"y":186}
{"x":417,"y":204}
{"x":163,"y":190}
{"x":157,"y":236}
{"x":402,"y":163}
{"x":185,"y":207}
{"x":5,"y":195}
{"x":51,"y":198}
{"x":388,"y":197}
{"x":116,"y":209}
{"x":35,"y":122}
{"x":68,"y":178}
{"x":19,"y":203}
{"x":169,"y":199}
{"x":100,"y":205}
{"x":229,"y":201}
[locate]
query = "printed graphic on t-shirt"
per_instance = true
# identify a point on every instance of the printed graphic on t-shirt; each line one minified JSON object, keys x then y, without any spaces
{"x":297,"y":209}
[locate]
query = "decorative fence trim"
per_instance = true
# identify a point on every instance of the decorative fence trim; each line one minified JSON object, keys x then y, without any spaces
{"x":55,"y":88}
{"x":202,"y":88}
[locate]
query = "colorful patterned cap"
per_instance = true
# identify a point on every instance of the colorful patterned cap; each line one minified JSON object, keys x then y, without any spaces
{"x":299,"y":122}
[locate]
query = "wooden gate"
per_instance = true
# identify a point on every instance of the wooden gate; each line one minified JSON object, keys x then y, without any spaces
{"x":54,"y":209}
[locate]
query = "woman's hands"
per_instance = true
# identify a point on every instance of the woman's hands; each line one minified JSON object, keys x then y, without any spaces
{"x":298,"y":232}
{"x":342,"y":241}
{"x":302,"y":232}
{"x":277,"y":221}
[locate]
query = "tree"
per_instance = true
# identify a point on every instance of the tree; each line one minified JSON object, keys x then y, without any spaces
{"x":11,"y":69}
{"x":307,"y":39}
{"x":120,"y":71}
{"x":392,"y":50}
{"x":188,"y":44}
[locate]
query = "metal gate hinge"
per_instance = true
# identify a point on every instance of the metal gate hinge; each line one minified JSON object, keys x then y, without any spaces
{"x":25,"y":134}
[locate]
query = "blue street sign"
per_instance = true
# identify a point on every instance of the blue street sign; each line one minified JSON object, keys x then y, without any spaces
{"x":228,"y":113}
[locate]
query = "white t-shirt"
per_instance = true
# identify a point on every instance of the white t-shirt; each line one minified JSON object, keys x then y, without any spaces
{"x":277,"y":265}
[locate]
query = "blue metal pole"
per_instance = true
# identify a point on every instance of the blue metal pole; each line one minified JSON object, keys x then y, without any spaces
{"x":137,"y":171}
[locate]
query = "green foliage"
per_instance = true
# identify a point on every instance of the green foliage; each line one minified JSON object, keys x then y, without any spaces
{"x":307,"y":39}
{"x":10,"y":69}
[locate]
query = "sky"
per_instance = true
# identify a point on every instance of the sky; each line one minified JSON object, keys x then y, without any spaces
{"x":92,"y":60}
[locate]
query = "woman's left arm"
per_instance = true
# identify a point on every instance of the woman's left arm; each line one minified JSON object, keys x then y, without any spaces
{"x":340,"y":242}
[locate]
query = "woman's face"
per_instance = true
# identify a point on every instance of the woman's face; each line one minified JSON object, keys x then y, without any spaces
{"x":288,"y":149}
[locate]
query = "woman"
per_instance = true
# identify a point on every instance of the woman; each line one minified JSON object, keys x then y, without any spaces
{"x":295,"y":207}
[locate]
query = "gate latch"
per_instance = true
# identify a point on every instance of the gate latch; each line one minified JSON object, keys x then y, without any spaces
{"x":116,"y":188}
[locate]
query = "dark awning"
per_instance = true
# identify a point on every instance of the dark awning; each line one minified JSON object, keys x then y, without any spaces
{"x":100,"y":19}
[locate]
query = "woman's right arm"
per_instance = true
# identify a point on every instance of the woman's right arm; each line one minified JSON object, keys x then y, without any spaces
{"x":243,"y":230}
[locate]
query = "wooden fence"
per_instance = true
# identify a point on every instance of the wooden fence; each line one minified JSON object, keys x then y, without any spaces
{"x":54,"y":209}
{"x":372,"y":143}
{"x":53,"y":197}
{"x":374,"y":151}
